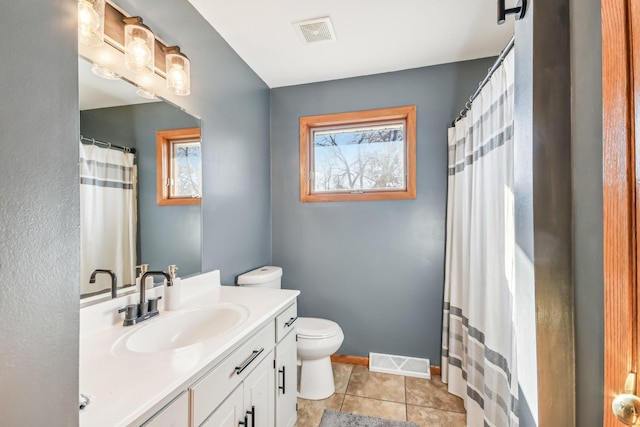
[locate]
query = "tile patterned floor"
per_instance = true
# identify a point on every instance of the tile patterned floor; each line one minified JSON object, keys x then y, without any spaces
{"x":424,"y":402}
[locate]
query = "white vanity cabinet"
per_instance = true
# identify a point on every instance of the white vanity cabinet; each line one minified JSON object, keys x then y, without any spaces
{"x":258,"y":395}
{"x":213,"y":382}
{"x":242,"y":367}
{"x":250,"y":404}
{"x":230,"y":412}
{"x":286,"y":368}
{"x":175,"y":414}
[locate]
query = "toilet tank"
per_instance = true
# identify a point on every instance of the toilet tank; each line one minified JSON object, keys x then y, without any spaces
{"x":264,"y":277}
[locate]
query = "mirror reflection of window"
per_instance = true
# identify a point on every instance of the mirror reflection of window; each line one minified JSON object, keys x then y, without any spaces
{"x":179,"y":167}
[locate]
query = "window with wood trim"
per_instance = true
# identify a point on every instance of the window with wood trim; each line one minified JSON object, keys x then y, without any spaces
{"x":362,"y":155}
{"x":179,"y":167}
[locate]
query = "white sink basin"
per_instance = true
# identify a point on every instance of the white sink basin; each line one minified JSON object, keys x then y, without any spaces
{"x":172,"y":332}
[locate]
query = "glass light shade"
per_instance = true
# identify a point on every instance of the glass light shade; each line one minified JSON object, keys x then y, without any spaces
{"x":104,"y":72}
{"x":145,"y":93}
{"x":139,"y":48}
{"x":178,"y":73}
{"x":91,"y":22}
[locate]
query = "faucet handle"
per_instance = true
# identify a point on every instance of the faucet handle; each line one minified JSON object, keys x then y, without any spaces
{"x":131,"y":313}
{"x":153,"y":303}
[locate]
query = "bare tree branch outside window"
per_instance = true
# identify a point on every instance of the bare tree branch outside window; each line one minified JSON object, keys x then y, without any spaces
{"x":186,"y":173}
{"x":359,"y":159}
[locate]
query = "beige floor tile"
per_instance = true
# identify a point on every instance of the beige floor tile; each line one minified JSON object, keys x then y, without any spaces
{"x":432,"y":393}
{"x":341,"y":375}
{"x":376,"y":385}
{"x":430,"y":417}
{"x":310,"y":411}
{"x":374,"y":408}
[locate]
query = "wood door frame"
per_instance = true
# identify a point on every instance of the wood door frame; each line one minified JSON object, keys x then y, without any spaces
{"x":619,"y":198}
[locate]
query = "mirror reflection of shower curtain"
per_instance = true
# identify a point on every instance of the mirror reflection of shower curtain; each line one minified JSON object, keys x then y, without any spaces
{"x":479,"y":331}
{"x":108,"y":216}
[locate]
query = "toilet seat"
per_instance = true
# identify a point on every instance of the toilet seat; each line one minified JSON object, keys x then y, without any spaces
{"x":314,"y":328}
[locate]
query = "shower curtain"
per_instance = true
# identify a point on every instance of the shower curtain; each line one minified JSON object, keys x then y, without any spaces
{"x":479,"y":336}
{"x":108,"y":216}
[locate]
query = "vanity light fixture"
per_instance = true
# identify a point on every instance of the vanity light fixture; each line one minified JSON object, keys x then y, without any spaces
{"x":91,"y":22}
{"x":178,"y":71}
{"x":121,"y":35}
{"x":139,"y":46}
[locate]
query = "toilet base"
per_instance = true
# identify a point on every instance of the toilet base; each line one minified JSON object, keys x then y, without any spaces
{"x":316,"y":379}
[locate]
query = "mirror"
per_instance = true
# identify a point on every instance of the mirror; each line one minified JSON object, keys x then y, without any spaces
{"x":112,"y":112}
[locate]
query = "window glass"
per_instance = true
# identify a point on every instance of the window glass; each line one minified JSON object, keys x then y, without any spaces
{"x":186,"y":180}
{"x":359,"y":159}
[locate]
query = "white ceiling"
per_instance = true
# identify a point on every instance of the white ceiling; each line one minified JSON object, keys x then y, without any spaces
{"x":373,"y":36}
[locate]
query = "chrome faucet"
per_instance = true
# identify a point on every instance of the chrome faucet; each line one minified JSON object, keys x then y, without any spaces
{"x":136,"y":313}
{"x":114,"y":280}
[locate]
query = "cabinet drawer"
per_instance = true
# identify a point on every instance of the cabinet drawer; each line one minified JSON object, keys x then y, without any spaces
{"x":214,"y":387}
{"x":285,"y":322}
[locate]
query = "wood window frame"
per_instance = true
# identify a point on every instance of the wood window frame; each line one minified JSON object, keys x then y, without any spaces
{"x":164,"y":140}
{"x":309,"y":123}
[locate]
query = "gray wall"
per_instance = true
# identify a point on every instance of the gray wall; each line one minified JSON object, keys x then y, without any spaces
{"x":39,"y":215}
{"x":377,"y":268}
{"x":586,"y":65}
{"x":233,"y":103}
{"x":167,"y":234}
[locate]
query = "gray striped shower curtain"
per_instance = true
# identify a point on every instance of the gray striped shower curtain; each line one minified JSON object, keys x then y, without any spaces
{"x":108,"y":216}
{"x":479,"y":330}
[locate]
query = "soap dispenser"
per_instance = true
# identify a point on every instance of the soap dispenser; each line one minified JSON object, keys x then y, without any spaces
{"x":172,"y":291}
{"x":148,"y":281}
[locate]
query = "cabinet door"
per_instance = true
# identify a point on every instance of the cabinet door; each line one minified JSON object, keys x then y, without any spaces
{"x":286,"y":381}
{"x":175,"y":414}
{"x":258,"y":394}
{"x":229,"y":413}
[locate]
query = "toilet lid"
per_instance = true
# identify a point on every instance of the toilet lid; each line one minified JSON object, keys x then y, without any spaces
{"x":311,"y":327}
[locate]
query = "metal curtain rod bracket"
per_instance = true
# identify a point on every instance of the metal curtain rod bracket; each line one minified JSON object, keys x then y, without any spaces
{"x":520,"y":10}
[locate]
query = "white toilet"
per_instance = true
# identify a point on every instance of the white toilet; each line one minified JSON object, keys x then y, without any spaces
{"x":318,"y":339}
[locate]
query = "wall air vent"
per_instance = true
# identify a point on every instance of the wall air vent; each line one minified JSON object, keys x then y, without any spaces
{"x":315,"y":30}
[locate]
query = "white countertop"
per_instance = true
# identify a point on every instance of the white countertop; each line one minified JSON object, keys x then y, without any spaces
{"x":124,"y":385}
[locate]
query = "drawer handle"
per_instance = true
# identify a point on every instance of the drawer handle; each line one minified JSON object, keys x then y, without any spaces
{"x":244,"y":423}
{"x":282,"y":387}
{"x":290,"y":322}
{"x":252,"y":412}
{"x":247,"y":362}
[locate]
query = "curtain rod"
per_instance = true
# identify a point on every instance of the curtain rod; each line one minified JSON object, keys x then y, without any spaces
{"x":484,"y":82}
{"x":107,"y":144}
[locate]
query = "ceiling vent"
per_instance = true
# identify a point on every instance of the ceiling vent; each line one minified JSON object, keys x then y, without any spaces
{"x":315,"y":30}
